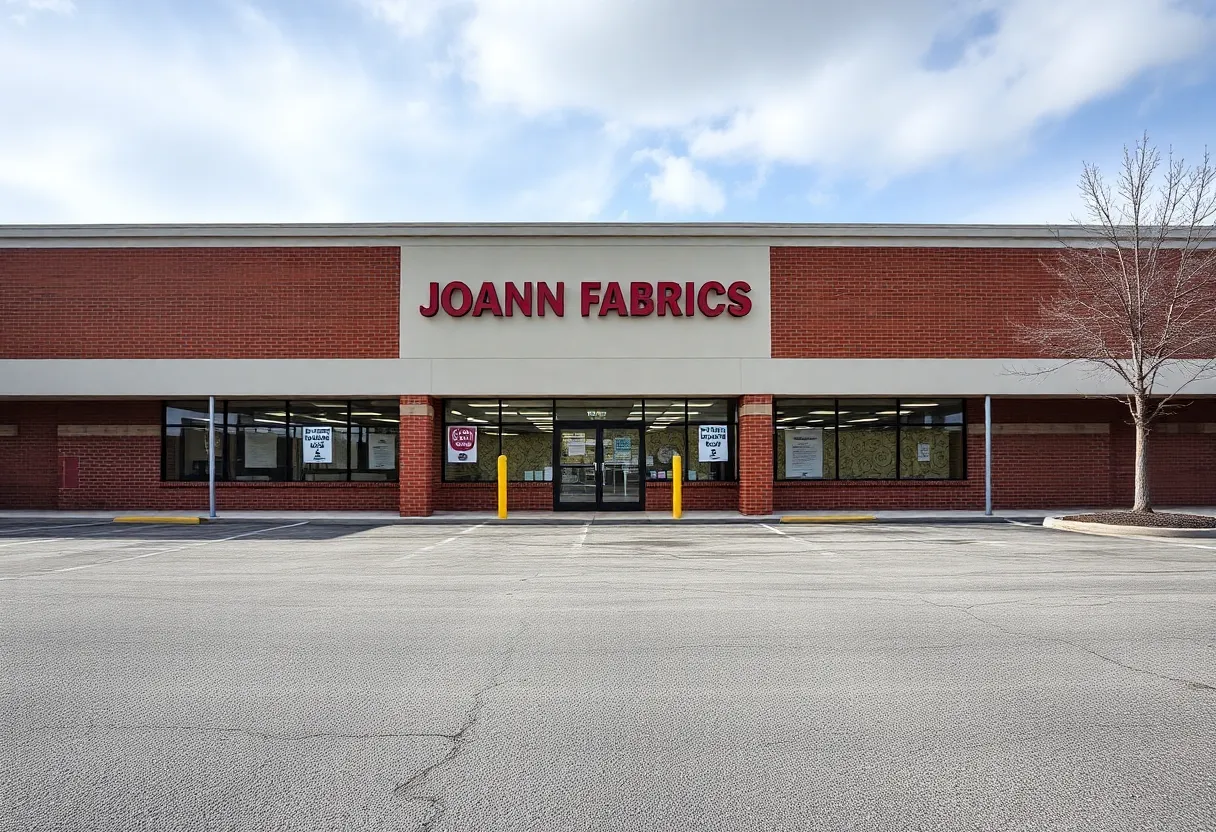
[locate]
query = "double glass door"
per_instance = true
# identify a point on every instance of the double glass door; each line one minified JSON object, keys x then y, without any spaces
{"x":599,"y":468}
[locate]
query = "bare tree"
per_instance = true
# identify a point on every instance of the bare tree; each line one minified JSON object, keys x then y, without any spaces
{"x":1137,"y":286}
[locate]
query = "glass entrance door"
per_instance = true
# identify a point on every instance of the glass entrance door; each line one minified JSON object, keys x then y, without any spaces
{"x":599,"y":468}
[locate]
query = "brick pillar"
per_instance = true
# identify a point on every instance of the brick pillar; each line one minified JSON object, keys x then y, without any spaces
{"x":756,"y":455}
{"x":417,"y":463}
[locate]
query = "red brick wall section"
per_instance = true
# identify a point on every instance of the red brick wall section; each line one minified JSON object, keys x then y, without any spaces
{"x":483,"y":496}
{"x":122,"y":473}
{"x":417,"y":456}
{"x":200,"y":303}
{"x":756,"y":455}
{"x":851,"y":302}
{"x":698,"y":496}
{"x":29,"y":474}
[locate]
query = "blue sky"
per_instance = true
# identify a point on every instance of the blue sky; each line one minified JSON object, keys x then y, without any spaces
{"x":587,"y":110}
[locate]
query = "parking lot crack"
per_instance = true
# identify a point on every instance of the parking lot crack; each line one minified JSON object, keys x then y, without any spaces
{"x":457,"y":742}
{"x":1189,"y":683}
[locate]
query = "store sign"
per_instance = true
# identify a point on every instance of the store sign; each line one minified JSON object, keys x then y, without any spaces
{"x":713,"y":444}
{"x":625,"y":300}
{"x":318,"y":445}
{"x":804,"y":453}
{"x":462,"y":444}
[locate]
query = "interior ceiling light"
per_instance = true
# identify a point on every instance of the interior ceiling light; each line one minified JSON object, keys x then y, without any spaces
{"x":700,"y":404}
{"x":391,"y":421}
{"x":792,"y":418}
{"x":484,"y":406}
{"x":918,"y":404}
{"x":826,"y":412}
{"x":475,"y":419}
{"x":366,"y":413}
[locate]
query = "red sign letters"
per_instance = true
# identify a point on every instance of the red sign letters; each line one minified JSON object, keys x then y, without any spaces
{"x":626,"y":300}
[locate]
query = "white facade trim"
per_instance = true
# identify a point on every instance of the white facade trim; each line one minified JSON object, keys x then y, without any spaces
{"x":549,"y":377}
{"x":407,"y":234}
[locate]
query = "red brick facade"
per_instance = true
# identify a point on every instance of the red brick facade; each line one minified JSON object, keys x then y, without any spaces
{"x":199,"y":303}
{"x":855,"y":302}
{"x":342,"y":302}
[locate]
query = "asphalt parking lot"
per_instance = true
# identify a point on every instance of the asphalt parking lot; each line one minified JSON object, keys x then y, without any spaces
{"x":263,"y":676}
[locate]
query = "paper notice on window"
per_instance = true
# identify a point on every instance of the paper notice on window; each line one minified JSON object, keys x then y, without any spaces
{"x":923,"y":452}
{"x":548,"y":473}
{"x":804,"y":453}
{"x":261,"y":450}
{"x":713,"y":444}
{"x":382,"y":451}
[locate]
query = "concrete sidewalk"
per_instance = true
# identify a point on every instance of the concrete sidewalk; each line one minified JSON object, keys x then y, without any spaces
{"x":563,"y":518}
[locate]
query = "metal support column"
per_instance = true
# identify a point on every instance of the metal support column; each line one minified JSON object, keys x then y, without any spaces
{"x":988,"y":455}
{"x":211,"y":456}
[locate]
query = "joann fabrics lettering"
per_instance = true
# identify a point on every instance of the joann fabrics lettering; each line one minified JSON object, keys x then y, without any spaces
{"x":663,"y":299}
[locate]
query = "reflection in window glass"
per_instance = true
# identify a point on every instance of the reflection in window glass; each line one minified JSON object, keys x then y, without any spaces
{"x":527,"y":439}
{"x":257,"y":441}
{"x":374,"y":427}
{"x":186,"y":435}
{"x":931,"y":439}
{"x":663,"y":442}
{"x":481,"y":415}
{"x":319,"y":414}
{"x":806,"y":439}
{"x":910,"y":438}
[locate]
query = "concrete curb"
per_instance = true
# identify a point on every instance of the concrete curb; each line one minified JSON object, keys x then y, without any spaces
{"x":923,"y":520}
{"x":1110,"y":530}
{"x":686,"y":521}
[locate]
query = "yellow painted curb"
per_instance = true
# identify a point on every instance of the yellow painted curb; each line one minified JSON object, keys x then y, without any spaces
{"x":153,"y":518}
{"x":827,"y":518}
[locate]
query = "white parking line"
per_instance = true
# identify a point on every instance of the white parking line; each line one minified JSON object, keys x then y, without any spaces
{"x":6,"y":530}
{"x":582,"y":537}
{"x":110,"y":530}
{"x":776,"y":530}
{"x":152,"y":554}
{"x":443,"y":542}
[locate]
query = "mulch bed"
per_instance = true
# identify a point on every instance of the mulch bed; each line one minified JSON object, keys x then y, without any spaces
{"x":1163,"y":520}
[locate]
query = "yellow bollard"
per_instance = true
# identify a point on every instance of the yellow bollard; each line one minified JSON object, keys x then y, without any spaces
{"x":677,"y":487}
{"x":502,"y":487}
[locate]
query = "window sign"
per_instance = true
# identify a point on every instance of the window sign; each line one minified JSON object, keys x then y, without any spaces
{"x":382,"y":451}
{"x":462,"y":444}
{"x":804,"y":453}
{"x":261,"y":449}
{"x":922,"y":452}
{"x":622,"y":449}
{"x":318,"y":445}
{"x":713,"y":444}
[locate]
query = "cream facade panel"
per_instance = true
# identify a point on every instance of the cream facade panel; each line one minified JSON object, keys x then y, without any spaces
{"x":387,"y":378}
{"x":572,"y":335}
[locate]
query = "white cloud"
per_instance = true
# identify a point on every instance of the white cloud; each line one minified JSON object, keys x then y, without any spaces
{"x":409,"y":18}
{"x":681,"y":186}
{"x":878,"y":88}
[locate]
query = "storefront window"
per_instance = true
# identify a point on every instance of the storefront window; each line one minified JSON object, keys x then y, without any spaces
{"x":257,"y":437}
{"x":869,"y":439}
{"x":527,"y":439}
{"x":708,"y":417}
{"x":672,"y":426}
{"x":374,"y":427}
{"x":185,"y":454}
{"x":482,"y":416}
{"x":931,"y":439}
{"x":806,"y":439}
{"x":334,"y":415}
{"x":263,"y":441}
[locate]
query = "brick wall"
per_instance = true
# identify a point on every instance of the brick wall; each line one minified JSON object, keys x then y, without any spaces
{"x":122,"y":473}
{"x":852,"y":302}
{"x":418,"y":456}
{"x":200,"y":303}
{"x":756,"y":454}
{"x":29,"y":473}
